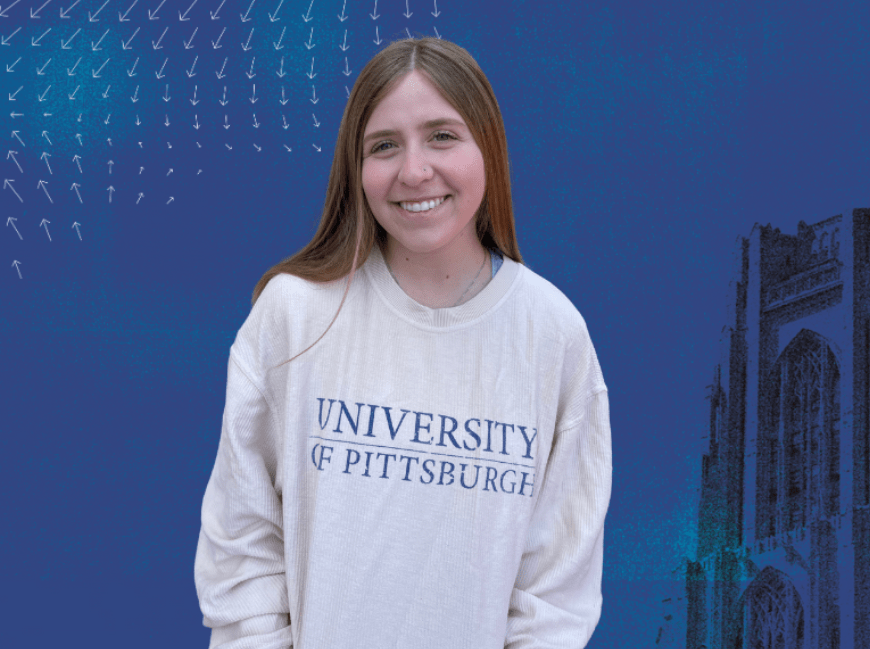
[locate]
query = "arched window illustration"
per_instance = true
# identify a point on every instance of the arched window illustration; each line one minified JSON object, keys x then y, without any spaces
{"x":823,"y":245}
{"x":770,"y":614}
{"x":802,"y":445}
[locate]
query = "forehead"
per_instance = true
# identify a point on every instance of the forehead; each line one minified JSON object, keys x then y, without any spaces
{"x":413,"y":101}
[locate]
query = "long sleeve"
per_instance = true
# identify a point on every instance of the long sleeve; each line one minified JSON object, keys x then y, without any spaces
{"x":556,"y":600}
{"x":239,"y":565}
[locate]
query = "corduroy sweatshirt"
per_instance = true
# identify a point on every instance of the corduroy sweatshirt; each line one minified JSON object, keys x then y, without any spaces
{"x":419,"y":479}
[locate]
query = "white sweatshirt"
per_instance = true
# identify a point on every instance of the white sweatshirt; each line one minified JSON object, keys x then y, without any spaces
{"x":419,"y":479}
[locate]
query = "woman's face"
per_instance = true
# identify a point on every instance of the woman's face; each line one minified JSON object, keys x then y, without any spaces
{"x":417,"y":147}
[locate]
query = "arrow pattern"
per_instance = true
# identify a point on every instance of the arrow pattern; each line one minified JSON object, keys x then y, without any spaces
{"x":83,"y":107}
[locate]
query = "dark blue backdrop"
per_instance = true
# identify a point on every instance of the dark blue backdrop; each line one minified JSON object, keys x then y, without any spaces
{"x":643,"y":140}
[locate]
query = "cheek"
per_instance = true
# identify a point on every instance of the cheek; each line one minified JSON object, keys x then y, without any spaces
{"x":374,"y":182}
{"x":472,"y":171}
{"x":365,"y":179}
{"x":481,"y":171}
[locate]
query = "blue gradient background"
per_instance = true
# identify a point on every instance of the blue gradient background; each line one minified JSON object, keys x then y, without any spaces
{"x":643,"y":141}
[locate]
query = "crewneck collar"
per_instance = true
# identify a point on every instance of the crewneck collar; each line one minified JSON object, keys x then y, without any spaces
{"x":421,"y":315}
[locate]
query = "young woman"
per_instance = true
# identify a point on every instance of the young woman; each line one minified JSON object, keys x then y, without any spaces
{"x":433,"y":468}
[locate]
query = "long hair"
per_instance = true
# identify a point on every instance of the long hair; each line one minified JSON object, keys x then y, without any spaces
{"x":348,"y":229}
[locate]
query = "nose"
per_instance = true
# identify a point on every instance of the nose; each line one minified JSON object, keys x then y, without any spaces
{"x":415,"y":167}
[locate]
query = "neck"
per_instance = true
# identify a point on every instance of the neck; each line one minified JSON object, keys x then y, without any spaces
{"x":439,"y":280}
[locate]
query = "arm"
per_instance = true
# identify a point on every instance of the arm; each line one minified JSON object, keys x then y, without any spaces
{"x":239,"y":566}
{"x":556,"y":600}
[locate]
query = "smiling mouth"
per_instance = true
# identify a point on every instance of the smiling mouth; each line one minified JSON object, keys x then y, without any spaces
{"x":429,"y":205}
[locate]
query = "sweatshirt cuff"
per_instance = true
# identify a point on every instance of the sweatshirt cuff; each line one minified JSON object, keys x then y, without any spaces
{"x":261,"y":625}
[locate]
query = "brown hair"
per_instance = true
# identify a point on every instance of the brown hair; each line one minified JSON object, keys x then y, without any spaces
{"x":348,"y":229}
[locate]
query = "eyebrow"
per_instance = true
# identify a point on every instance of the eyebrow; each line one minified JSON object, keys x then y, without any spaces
{"x":432,"y":123}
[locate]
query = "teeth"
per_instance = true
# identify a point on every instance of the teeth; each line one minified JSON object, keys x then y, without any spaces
{"x":425,"y":205}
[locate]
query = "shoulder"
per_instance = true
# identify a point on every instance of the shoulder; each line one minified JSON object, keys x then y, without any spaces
{"x":284,"y":288}
{"x":286,"y":294}
{"x":286,"y":306}
{"x":549,"y":303}
{"x":577,"y":365}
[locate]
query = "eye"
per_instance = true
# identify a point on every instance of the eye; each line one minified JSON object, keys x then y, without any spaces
{"x":378,"y":147}
{"x":449,"y":135}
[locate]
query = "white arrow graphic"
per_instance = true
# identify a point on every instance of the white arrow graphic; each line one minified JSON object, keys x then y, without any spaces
{"x":7,"y":182}
{"x":124,"y":18}
{"x":9,"y":222}
{"x":43,"y":184}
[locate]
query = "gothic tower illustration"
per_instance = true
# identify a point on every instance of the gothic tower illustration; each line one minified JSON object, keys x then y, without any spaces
{"x":783,"y":550}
